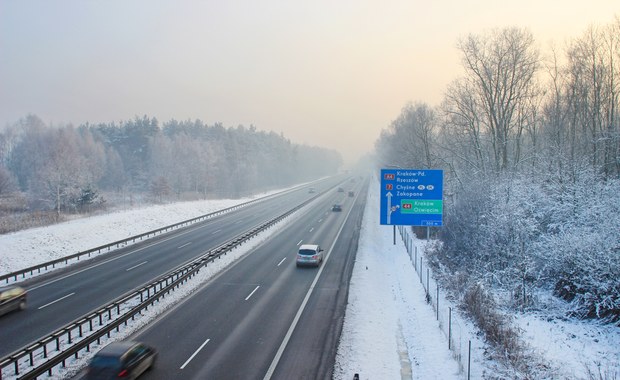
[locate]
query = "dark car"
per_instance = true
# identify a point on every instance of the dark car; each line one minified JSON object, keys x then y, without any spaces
{"x":340,"y":190}
{"x":126,"y":360}
{"x":12,"y":298}
{"x":336,"y":207}
{"x":351,"y":194}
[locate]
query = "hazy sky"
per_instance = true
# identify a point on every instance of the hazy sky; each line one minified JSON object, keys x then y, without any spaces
{"x":324,"y":72}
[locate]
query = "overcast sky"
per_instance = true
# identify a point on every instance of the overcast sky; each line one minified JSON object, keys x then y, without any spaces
{"x":323,"y":72}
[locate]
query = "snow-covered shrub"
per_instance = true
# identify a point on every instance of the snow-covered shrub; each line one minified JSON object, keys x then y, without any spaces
{"x":582,"y":243}
{"x":540,"y":232}
{"x":503,"y":336}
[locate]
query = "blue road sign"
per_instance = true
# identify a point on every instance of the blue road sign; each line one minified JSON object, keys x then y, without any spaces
{"x":411,"y":197}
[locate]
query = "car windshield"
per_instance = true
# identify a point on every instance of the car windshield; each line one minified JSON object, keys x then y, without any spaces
{"x":307,"y":252}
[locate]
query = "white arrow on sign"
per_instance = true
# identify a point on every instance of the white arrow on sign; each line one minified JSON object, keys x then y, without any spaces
{"x":390,"y":209}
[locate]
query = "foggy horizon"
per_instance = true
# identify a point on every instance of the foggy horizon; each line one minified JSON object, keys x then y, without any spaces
{"x":322,"y":74}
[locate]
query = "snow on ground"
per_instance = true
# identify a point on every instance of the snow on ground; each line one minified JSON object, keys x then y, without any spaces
{"x":390,"y":332}
{"x":575,"y":348}
{"x":26,"y":248}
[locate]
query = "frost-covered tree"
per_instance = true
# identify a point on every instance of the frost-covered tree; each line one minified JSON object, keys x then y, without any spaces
{"x":498,"y":87}
{"x":408,"y":141}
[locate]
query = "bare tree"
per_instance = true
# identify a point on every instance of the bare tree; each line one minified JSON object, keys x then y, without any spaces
{"x":592,"y":71}
{"x":408,"y":141}
{"x":463,"y":135}
{"x":160,"y":188}
{"x":7,"y":182}
{"x":500,"y":69}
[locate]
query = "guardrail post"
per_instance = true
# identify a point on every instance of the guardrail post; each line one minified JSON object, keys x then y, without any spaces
{"x":469,"y":362}
{"x":450,"y":328}
{"x":437,"y":301}
{"x":421,"y":273}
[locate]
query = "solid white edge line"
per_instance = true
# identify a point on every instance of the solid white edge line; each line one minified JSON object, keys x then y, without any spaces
{"x":194,"y":354}
{"x":291,"y":328}
{"x":281,"y":261}
{"x":253,"y":291}
{"x":53,"y":302}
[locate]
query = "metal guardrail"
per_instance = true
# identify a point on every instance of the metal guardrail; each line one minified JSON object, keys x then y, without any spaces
{"x":39,"y":268}
{"x":80,"y":334}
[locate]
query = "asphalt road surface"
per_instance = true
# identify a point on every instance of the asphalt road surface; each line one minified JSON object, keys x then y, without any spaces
{"x":65,"y":295}
{"x":263,"y":317}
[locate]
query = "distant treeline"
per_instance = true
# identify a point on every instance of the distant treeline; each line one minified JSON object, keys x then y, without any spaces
{"x":66,"y":168}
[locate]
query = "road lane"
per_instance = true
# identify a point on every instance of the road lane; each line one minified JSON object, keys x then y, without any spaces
{"x":245,"y":333}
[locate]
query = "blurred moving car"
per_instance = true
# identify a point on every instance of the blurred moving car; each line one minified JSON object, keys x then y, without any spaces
{"x":336,"y":207}
{"x":351,"y":194}
{"x":311,"y":190}
{"x":309,"y":254}
{"x":12,"y":298}
{"x":340,"y":190}
{"x":126,"y":360}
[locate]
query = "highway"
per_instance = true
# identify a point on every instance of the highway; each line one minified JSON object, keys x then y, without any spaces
{"x":65,"y":295}
{"x":264,"y":317}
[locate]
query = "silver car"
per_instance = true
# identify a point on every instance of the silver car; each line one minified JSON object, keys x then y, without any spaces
{"x":309,"y":254}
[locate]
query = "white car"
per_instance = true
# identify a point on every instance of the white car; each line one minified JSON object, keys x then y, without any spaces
{"x":309,"y":254}
{"x":12,"y":298}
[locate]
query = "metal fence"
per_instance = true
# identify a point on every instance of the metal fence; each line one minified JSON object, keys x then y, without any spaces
{"x":459,"y":342}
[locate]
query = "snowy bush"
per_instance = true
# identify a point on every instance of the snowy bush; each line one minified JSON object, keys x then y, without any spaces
{"x":520,"y":234}
{"x":583,"y":247}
